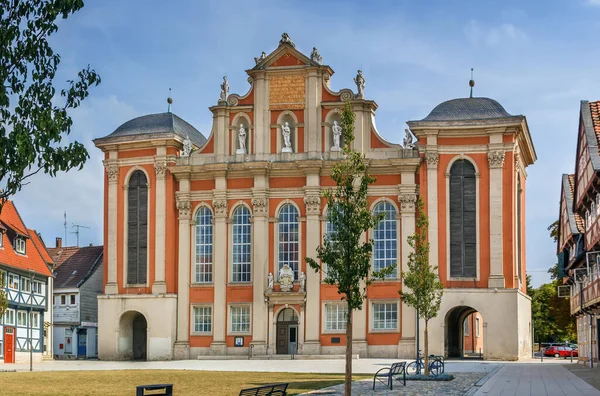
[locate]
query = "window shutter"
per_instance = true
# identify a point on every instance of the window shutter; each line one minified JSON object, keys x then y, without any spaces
{"x":137,"y":237}
{"x":469,"y":227}
{"x":463,"y":220}
{"x":456,"y":225}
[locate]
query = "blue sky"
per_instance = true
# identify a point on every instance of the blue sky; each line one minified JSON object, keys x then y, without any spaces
{"x":537,"y":58}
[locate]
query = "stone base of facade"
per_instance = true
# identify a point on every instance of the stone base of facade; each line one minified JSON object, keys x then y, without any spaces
{"x":258,"y":348}
{"x":218,"y":348}
{"x":407,"y":348}
{"x":311,"y":348}
{"x":181,"y":350}
{"x":496,"y":281}
{"x":360,"y":348}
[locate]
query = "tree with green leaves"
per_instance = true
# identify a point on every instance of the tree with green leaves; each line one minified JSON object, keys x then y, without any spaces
{"x":345,"y":259}
{"x":3,"y":298}
{"x":422,"y":288}
{"x":34,"y":119}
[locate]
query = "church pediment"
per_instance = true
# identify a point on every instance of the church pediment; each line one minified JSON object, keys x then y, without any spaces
{"x":285,"y":55}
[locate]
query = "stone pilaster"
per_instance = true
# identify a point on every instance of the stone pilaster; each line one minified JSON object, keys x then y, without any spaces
{"x":160,"y":167}
{"x":407,"y":199}
{"x":496,"y":163}
{"x":312,"y":203}
{"x":182,"y":345}
{"x":112,"y":172}
{"x":218,"y":345}
{"x":432,"y":159}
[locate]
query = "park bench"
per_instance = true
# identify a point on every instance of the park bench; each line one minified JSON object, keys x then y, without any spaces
{"x":387,"y":375}
{"x":266,"y":390}
{"x":166,"y":390}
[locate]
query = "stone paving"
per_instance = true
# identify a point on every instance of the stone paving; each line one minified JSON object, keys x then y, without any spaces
{"x":457,"y":387}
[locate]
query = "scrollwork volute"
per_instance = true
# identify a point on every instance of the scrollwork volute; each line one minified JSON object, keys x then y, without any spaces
{"x":232,"y":100}
{"x":184,"y":206}
{"x":496,"y":158}
{"x":407,"y":202}
{"x":260,"y":206}
{"x":160,"y":167}
{"x":313,"y":204}
{"x":220,"y":207}
{"x":432,"y":159}
{"x":346,"y":95}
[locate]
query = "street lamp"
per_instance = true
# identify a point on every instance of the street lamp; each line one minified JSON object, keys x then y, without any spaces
{"x":31,"y":274}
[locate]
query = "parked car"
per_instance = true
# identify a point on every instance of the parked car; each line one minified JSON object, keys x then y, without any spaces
{"x":560,"y":351}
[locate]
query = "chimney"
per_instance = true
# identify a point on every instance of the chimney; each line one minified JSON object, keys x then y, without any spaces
{"x":58,"y":242}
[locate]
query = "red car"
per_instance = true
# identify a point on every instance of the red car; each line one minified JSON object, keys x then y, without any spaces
{"x":560,"y":351}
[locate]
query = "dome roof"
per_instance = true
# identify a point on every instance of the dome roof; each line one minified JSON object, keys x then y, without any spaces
{"x":159,"y":123}
{"x":467,"y":109}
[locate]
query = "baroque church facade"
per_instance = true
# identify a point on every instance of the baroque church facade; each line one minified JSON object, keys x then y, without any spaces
{"x":206,"y":237}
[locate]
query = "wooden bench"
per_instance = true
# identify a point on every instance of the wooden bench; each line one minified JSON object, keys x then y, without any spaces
{"x":266,"y":390}
{"x":167,"y":389}
{"x":387,"y":375}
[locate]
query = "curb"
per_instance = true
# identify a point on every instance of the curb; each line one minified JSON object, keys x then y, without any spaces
{"x":472,"y":390}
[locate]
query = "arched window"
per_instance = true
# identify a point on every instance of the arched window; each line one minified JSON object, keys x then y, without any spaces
{"x":329,"y":233}
{"x":204,"y":245}
{"x":463,"y":220}
{"x":289,"y":237}
{"x":137,"y":228}
{"x":385,"y":239}
{"x":242,"y":250}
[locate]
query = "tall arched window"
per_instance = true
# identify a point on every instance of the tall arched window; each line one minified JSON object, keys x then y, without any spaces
{"x":329,"y":233}
{"x":463,"y":220}
{"x":137,"y":228}
{"x":241,"y":245}
{"x":289,"y":237}
{"x":385,"y":239}
{"x":204,"y":245}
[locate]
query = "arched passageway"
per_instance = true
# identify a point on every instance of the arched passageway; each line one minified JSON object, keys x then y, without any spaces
{"x":464,"y":333}
{"x":133,"y":336}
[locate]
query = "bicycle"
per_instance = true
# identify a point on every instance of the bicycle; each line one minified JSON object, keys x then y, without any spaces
{"x":436,"y":365}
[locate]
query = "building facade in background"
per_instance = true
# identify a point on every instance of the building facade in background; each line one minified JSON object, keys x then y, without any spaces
{"x":77,"y":285}
{"x":205,"y":237}
{"x":25,"y":272}
{"x":579,"y":232}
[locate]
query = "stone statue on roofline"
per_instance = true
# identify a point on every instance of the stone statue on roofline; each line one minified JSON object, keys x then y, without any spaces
{"x":224,"y":90}
{"x":360,"y":85}
{"x":263,"y":55}
{"x":187,"y":147}
{"x":408,"y":140}
{"x":315,"y":57}
{"x":285,"y":39}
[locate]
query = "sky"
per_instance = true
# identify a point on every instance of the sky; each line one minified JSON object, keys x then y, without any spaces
{"x":537,"y":58}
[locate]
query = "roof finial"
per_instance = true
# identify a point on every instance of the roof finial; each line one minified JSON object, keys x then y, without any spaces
{"x":471,"y":83}
{"x":169,"y":101}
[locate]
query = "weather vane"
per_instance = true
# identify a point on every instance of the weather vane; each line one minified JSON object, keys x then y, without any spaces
{"x":169,"y":101}
{"x":471,"y":83}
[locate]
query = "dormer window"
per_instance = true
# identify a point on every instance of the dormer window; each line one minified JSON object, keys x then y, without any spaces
{"x":20,"y":245}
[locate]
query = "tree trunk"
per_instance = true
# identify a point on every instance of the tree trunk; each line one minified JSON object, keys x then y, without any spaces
{"x":426,"y":342}
{"x":348,"y":379}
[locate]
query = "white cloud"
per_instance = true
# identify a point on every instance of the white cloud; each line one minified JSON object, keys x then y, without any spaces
{"x":494,"y":35}
{"x":593,"y":2}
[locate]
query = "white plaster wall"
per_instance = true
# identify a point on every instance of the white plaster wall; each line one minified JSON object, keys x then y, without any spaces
{"x":524,"y":331}
{"x":23,"y":357}
{"x":161,"y":317}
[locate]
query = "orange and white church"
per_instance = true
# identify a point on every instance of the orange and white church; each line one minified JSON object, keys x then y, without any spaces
{"x":205,"y":235}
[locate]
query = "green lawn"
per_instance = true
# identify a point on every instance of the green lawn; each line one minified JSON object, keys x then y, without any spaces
{"x":185,"y":383}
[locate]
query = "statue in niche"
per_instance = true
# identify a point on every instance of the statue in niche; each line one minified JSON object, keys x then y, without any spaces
{"x":286,"y":131}
{"x":187,"y":147}
{"x":360,"y":84}
{"x":315,"y":57}
{"x":336,"y":130}
{"x":224,"y":89}
{"x":302,"y":280}
{"x":270,"y":281}
{"x":242,"y":140}
{"x":408,"y":140}
{"x":286,"y":278}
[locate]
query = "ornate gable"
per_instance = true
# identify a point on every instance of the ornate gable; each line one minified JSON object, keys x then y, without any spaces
{"x":284,"y":55}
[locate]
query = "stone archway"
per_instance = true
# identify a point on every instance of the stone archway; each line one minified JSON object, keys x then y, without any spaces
{"x":287,"y":332}
{"x":464,"y":333}
{"x":133,"y":336}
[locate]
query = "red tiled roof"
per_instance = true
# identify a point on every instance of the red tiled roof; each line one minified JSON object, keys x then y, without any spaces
{"x":578,"y":219}
{"x":595,"y":111}
{"x":32,"y":259}
{"x":41,"y":247}
{"x":61,"y":254}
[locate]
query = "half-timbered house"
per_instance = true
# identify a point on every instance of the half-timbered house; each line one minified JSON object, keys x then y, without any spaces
{"x":25,"y":270}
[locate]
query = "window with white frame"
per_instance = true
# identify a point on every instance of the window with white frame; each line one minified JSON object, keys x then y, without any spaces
{"x":241,"y":244}
{"x":72,"y":299}
{"x":22,"y":318}
{"x":202,"y":319}
{"x":13,"y":281}
{"x":477,"y":327}
{"x":9,"y":317}
{"x":20,"y":245}
{"x":204,"y":245}
{"x":335,"y":317}
{"x":35,"y":320}
{"x":597,"y":204}
{"x":25,"y":285}
{"x":587,"y":219}
{"x":37,"y":287}
{"x":466,"y":326}
{"x":329,"y":233}
{"x":240,"y":318}
{"x":288,"y":243}
{"x":385,"y":316}
{"x":593,"y":210}
{"x":385,"y":239}
{"x":63,"y":299}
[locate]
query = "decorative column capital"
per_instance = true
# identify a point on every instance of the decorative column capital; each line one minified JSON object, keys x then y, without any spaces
{"x":496,"y":158}
{"x":260,"y":205}
{"x":432,"y":159}
{"x":313,"y":204}
{"x":407,"y":202}
{"x":220,"y":207}
{"x":160,"y":167}
{"x":184,"y":205}
{"x":112,"y":171}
